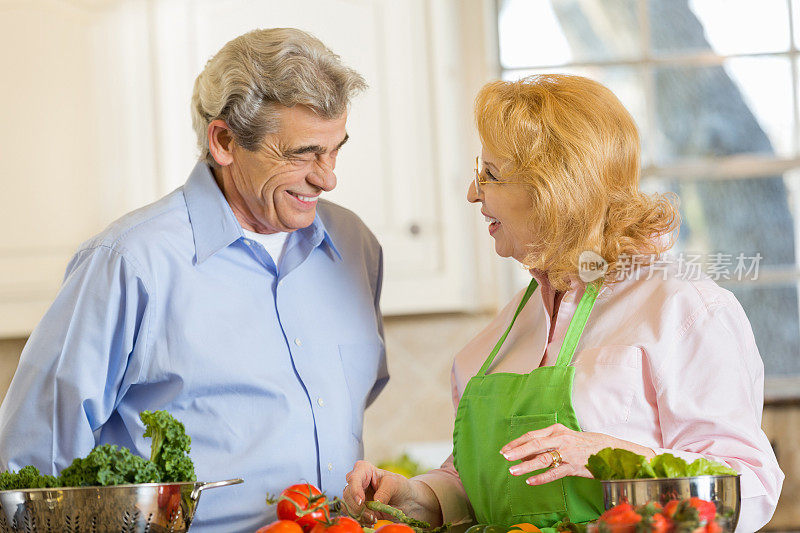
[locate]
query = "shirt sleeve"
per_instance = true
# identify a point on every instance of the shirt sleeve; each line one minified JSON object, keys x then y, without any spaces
{"x":78,"y":362}
{"x":709,"y":394}
{"x":383,"y":370}
{"x":446,"y":485}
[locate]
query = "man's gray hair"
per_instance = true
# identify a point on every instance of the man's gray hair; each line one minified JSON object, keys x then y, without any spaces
{"x":262,"y":69}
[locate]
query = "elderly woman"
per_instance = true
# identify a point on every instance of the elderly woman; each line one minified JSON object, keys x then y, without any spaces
{"x":644,"y":360}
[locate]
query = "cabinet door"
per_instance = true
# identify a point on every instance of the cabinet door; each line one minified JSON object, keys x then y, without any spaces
{"x":404,"y":170}
{"x":73,"y":105}
{"x":98,"y":123}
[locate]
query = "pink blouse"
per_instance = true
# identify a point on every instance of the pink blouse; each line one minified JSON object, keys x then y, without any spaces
{"x":664,"y":362}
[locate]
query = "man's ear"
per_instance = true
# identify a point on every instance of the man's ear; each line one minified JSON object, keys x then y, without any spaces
{"x":220,"y":142}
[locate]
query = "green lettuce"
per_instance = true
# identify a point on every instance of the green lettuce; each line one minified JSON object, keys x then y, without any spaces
{"x":615,"y":463}
{"x":704,"y":467}
{"x":667,"y":465}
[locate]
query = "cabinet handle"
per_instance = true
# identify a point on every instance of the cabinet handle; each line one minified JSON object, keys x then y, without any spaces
{"x":414,"y":229}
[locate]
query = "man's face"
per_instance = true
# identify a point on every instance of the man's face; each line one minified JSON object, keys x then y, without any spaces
{"x":276,"y":187}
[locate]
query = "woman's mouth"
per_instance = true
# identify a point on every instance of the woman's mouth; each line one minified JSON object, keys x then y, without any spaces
{"x":493,"y":224}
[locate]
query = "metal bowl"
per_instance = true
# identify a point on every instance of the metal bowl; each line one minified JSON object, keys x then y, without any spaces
{"x":724,"y":491}
{"x":143,"y":507}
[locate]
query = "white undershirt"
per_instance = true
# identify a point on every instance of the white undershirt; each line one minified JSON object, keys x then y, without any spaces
{"x":273,"y":243}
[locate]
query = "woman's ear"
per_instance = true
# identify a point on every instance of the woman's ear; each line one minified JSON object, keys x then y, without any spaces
{"x":220,"y":142}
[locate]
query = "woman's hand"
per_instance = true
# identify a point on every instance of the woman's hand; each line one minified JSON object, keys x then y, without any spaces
{"x":368,"y":482}
{"x":574,"y":447}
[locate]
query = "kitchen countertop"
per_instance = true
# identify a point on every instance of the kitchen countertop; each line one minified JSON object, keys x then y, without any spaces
{"x":782,"y":391}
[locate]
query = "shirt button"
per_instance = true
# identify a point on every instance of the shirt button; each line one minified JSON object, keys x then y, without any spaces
{"x":330,"y":467}
{"x":320,"y":402}
{"x":298,"y":342}
{"x":248,"y":243}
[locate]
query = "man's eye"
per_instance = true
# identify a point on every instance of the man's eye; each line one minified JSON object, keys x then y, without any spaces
{"x":489,"y":174}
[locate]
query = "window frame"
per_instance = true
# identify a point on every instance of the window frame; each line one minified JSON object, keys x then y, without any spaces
{"x":735,"y":167}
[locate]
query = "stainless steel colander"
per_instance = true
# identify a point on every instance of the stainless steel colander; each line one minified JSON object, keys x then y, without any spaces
{"x":140,"y":508}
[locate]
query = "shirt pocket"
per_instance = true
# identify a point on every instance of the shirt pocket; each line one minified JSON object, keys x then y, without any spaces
{"x":530,"y":500}
{"x":361,"y":363}
{"x":606,"y":381}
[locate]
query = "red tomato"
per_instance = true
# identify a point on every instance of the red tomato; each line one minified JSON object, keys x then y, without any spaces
{"x":670,"y":508}
{"x":707,"y":510}
{"x":303,"y":503}
{"x":169,"y":499}
{"x":340,"y":524}
{"x":166,"y":493}
{"x":281,"y":526}
{"x":713,"y":527}
{"x":395,"y":528}
{"x":660,"y":524}
{"x":622,"y":515}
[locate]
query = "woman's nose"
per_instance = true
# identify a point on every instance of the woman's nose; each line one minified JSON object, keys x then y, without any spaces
{"x":473,"y":193}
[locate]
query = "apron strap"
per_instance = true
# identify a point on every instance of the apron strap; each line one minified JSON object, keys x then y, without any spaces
{"x":578,"y":323}
{"x":531,"y":288}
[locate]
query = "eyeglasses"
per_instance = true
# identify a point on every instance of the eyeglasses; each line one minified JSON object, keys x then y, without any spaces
{"x":482,"y":178}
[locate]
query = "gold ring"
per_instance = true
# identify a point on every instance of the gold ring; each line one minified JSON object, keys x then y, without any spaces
{"x":556,"y":459}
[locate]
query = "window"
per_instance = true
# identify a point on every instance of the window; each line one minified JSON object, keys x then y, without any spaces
{"x":713,"y":86}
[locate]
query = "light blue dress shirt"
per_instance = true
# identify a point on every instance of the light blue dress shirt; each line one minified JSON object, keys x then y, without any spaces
{"x":270,"y":369}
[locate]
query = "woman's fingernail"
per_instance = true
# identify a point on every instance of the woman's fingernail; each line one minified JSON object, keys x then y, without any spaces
{"x":359,"y":501}
{"x":515,"y":469}
{"x":529,"y":481}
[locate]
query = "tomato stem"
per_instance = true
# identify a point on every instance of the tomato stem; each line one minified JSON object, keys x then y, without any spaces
{"x":315,"y":503}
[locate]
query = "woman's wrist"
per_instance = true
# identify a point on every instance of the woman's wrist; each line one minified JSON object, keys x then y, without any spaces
{"x":648,"y":453}
{"x":427,"y":502}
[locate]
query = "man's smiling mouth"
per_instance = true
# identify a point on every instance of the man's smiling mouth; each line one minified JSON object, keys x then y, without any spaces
{"x":302,"y":198}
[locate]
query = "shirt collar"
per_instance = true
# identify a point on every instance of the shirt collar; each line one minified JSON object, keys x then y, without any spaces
{"x":575,"y":282}
{"x":214,"y":226}
{"x":321,"y":233}
{"x":313,"y":236}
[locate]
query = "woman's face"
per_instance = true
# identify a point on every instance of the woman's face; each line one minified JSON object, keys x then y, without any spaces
{"x":506,"y":206}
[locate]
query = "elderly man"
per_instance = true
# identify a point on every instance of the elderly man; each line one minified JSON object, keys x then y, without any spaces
{"x":241,"y":303}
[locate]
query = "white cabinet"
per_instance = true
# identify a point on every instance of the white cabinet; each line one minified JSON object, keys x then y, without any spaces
{"x":72,"y":151}
{"x":97,"y":123}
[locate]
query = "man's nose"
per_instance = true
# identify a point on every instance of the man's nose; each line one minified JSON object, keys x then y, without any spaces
{"x":322,"y":175}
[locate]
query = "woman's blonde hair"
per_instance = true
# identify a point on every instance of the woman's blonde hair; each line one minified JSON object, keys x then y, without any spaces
{"x":255,"y":72}
{"x":576,"y":148}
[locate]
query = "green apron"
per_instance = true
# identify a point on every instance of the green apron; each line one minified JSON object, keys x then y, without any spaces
{"x":496,"y":409}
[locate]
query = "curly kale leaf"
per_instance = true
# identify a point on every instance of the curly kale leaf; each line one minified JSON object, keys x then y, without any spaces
{"x":109,"y":465}
{"x":28,"y":477}
{"x":113,"y":465}
{"x":170,"y":446}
